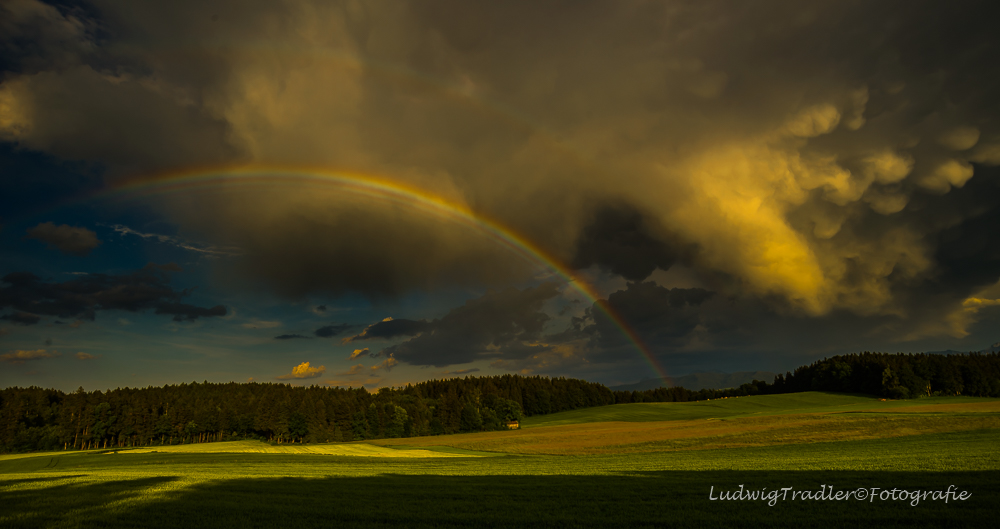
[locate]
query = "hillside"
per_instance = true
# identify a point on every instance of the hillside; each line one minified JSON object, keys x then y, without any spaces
{"x":797,"y":420}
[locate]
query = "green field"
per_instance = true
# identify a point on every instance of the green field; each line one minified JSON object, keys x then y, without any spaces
{"x":442,"y":482}
{"x":765,"y":405}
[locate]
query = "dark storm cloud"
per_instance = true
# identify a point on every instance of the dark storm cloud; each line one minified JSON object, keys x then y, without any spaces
{"x":22,"y":318}
{"x":67,"y":239}
{"x":811,"y":152}
{"x":580,"y":328}
{"x":35,"y":36}
{"x":662,"y":317}
{"x":290,"y":337}
{"x":495,"y":325}
{"x":186,"y":312}
{"x":968,"y":249}
{"x":391,"y":328}
{"x":81,"y":298}
{"x":618,"y":241}
{"x":329,"y":331}
{"x":59,"y":50}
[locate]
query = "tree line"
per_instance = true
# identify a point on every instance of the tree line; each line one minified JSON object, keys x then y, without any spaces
{"x":34,"y":418}
{"x":893,"y":376}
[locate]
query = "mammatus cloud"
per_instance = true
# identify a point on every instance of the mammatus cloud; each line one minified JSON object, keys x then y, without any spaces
{"x":67,"y":239}
{"x":303,"y":370}
{"x":147,"y":288}
{"x":820,"y":158}
{"x":22,"y":356}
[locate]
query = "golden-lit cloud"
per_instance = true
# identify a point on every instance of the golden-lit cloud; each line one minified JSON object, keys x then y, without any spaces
{"x":959,"y":138}
{"x":356,"y":376}
{"x":947,"y":174}
{"x":303,"y":370}
{"x":21,"y":356}
{"x":358,"y":353}
{"x":354,"y":370}
{"x":958,"y":322}
{"x":86,"y":356}
{"x":386,"y":364}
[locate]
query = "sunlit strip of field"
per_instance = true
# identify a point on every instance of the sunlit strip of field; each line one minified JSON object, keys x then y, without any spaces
{"x":357,"y":449}
{"x":257,"y":447}
{"x":986,"y":406}
{"x":966,"y":451}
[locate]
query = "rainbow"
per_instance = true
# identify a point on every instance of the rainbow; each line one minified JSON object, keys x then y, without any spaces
{"x":382,"y":189}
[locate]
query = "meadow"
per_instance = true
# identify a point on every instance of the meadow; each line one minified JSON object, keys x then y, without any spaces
{"x":627,"y":465}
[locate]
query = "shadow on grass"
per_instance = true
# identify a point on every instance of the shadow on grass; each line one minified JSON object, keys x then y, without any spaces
{"x":67,"y":503}
{"x":654,"y":499}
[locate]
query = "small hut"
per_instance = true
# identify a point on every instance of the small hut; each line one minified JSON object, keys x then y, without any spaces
{"x":513,"y":425}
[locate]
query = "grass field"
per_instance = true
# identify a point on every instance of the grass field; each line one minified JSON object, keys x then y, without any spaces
{"x":641,"y":465}
{"x":727,"y":423}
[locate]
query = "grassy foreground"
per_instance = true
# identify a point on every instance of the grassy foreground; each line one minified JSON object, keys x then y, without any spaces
{"x":442,"y":482}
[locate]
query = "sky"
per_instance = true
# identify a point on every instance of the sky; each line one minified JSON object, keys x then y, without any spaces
{"x":369,"y":194}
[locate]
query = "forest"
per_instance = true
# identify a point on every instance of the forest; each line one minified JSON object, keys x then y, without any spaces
{"x":892,"y":376}
{"x":47,"y":419}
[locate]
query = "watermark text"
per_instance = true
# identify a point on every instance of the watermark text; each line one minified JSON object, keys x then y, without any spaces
{"x":828,"y":493}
